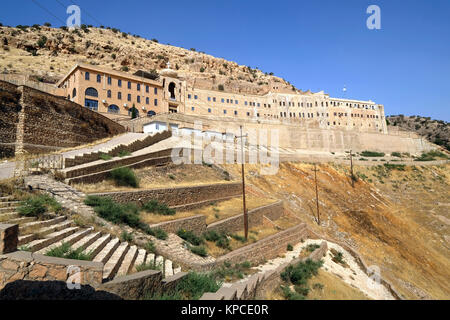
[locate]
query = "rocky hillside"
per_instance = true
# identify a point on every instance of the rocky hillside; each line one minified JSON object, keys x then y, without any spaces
{"x":48,"y":53}
{"x":436,"y":131}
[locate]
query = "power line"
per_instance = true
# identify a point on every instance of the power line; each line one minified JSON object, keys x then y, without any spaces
{"x":48,"y":11}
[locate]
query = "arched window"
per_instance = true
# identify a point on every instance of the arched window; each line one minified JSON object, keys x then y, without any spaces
{"x":151,"y":113}
{"x":92,"y":92}
{"x":172,"y":90}
{"x":74,"y":92}
{"x":109,"y":93}
{"x":113,"y":109}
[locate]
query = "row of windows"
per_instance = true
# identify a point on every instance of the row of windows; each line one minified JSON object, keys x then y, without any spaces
{"x":92,"y":92}
{"x":283,"y":103}
{"x":119,"y":83}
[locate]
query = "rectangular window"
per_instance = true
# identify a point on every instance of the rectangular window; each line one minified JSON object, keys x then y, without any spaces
{"x":236,"y":102}
{"x":189,"y":96}
{"x":214,"y":99}
{"x":224,"y":111}
{"x":119,"y":83}
{"x":129,"y":97}
{"x":209,"y":110}
{"x":147,"y":100}
{"x":139,"y":99}
{"x":129,"y":85}
{"x":209,"y":98}
{"x":138,"y":87}
{"x":223,"y":100}
{"x":147,"y":89}
{"x":156,"y":102}
{"x":195,"y":97}
{"x":119,"y":95}
{"x":99,"y":78}
{"x":109,"y":80}
{"x":86,"y":76}
{"x":193,"y":108}
{"x":235,"y":113}
{"x":156,"y":90}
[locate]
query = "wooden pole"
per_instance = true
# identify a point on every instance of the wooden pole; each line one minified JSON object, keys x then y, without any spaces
{"x":317,"y":195}
{"x":243,"y":188}
{"x":351,"y":169}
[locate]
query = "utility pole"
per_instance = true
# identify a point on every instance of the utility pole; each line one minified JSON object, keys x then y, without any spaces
{"x":351,"y":169}
{"x":243,"y":185}
{"x":317,"y":194}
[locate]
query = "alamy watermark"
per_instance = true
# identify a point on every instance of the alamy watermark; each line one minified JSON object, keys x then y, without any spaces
{"x":255,"y":146}
{"x":73,"y":278}
{"x":374,"y":20}
{"x":74,"y":20}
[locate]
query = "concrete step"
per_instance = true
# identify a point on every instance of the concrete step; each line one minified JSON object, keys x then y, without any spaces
{"x":5,"y":217}
{"x":36,"y":225}
{"x":23,"y":240}
{"x":86,"y":241}
{"x":150,"y":258}
{"x":128,"y":262}
{"x":9,"y":204}
{"x":8,"y":210}
{"x":104,"y":255}
{"x":6,"y":198}
{"x":70,"y":240}
{"x":53,"y":228}
{"x":39,"y":244}
{"x":159,"y":263}
{"x":142,"y":254}
{"x":98,"y":245}
{"x":22,"y":220}
{"x":168,"y":270}
{"x":113,"y":264}
{"x":176,"y":270}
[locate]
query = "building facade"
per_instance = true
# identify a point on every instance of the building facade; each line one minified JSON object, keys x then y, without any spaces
{"x":115,"y":93}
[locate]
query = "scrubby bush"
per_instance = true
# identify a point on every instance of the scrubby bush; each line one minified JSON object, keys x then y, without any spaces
{"x":114,"y":212}
{"x":65,"y":251}
{"x":229,"y":272}
{"x":289,"y":247}
{"x":190,"y":237}
{"x":125,"y":177}
{"x":154,"y":206}
{"x":37,"y":205}
{"x":105,"y":156}
{"x":372,"y":154}
{"x":126,"y":237}
{"x":199,"y":250}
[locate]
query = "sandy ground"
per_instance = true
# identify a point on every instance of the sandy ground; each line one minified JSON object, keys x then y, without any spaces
{"x":353,"y":275}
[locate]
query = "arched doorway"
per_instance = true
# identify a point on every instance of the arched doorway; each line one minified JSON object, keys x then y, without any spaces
{"x":172,"y":90}
{"x":151,"y":113}
{"x":90,"y":103}
{"x":113,"y":109}
{"x":133,"y":113}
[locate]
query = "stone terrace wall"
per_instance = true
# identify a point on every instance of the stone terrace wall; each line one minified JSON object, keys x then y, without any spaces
{"x":196,"y":224}
{"x":258,"y":285}
{"x":55,"y":121}
{"x":255,"y":217}
{"x":178,"y":195}
{"x":49,"y":121}
{"x":21,"y":265}
{"x":9,"y":116}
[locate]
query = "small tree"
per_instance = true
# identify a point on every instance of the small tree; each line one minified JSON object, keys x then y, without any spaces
{"x":42,"y":41}
{"x":221,"y":88}
{"x":47,"y":24}
{"x":133,"y":112}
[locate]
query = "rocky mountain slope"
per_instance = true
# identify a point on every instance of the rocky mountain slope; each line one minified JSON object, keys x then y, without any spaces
{"x":48,"y":53}
{"x":436,"y":131}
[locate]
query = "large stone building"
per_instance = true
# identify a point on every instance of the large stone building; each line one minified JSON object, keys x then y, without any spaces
{"x":115,"y":93}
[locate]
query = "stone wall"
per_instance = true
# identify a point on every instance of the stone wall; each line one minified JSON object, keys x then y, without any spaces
{"x":258,"y":285}
{"x":255,"y":217}
{"x":9,"y":116}
{"x":196,"y":224}
{"x":21,"y":265}
{"x":50,"y":122}
{"x":178,"y":196}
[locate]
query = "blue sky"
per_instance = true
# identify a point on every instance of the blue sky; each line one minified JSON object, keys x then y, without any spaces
{"x":316,"y":45}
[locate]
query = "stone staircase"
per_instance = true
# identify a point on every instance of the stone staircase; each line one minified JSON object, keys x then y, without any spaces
{"x":40,"y":236}
{"x":135,"y":143}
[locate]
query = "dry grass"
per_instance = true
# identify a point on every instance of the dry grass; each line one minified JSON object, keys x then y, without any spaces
{"x":162,"y":177}
{"x":392,"y":219}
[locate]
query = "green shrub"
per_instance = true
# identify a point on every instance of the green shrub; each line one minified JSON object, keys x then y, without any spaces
{"x":372,"y":154}
{"x":125,"y":177}
{"x":42,"y":41}
{"x":396,"y":154}
{"x":150,"y":247}
{"x":126,"y":237}
{"x":399,"y":167}
{"x":312,"y":247}
{"x":65,"y":251}
{"x":220,"y":238}
{"x":199,"y":250}
{"x":289,"y":247}
{"x":105,"y":156}
{"x":152,"y":265}
{"x":190,"y":237}
{"x":114,"y":212}
{"x":37,"y":205}
{"x":298,"y":275}
{"x":154,"y":206}
{"x":229,"y":272}
{"x":238,"y":238}
{"x":291,"y":295}
{"x":160,"y":234}
{"x":124,"y":153}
